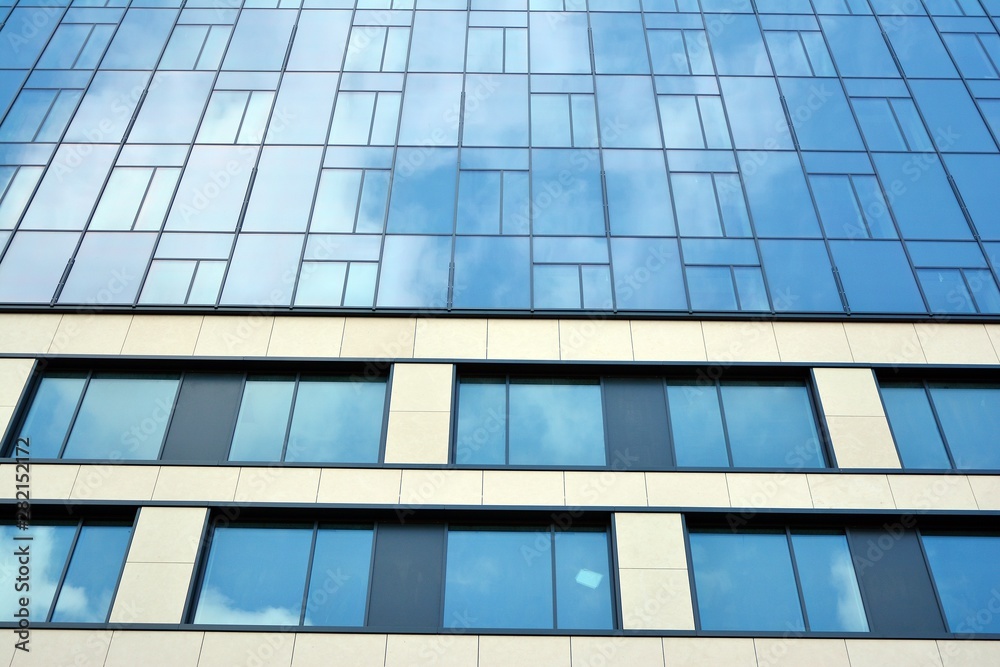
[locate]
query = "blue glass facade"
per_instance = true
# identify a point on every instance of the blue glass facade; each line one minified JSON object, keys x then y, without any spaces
{"x":774,"y":156}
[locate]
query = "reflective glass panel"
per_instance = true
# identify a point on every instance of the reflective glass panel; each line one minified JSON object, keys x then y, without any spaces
{"x":771,"y":426}
{"x":498,"y":579}
{"x":122,"y":417}
{"x":338,"y":585}
{"x":965,"y":572}
{"x":51,"y":412}
{"x":337,"y":420}
{"x":85,"y":596}
{"x":262,"y":420}
{"x":745,"y":582}
{"x":829,"y":583}
{"x":556,"y":423}
{"x":254,"y":576}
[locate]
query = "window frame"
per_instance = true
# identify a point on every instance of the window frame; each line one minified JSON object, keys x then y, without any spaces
{"x":925,"y":378}
{"x":666,"y":373}
{"x":298,"y":369}
{"x":865,"y":556}
{"x":117,"y":516}
{"x":529,"y":520}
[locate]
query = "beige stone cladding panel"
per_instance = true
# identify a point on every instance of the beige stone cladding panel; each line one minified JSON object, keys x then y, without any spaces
{"x":882,"y":652}
{"x":668,"y":341}
{"x":450,"y":338}
{"x":617,"y":651}
{"x":364,"y":486}
{"x":523,"y":487}
{"x":967,"y":653}
{"x":59,"y":648}
{"x":14,"y":374}
{"x":306,"y":337}
{"x":653,"y":575}
{"x":595,"y":340}
{"x":241,"y":649}
{"x":524,"y":651}
{"x":855,"y":417}
{"x":419,"y":413}
{"x":932,"y":492}
{"x":687,"y":489}
{"x":234,"y":336}
{"x":29,"y":333}
{"x":205,"y":483}
{"x":278,"y":485}
{"x":163,"y":335}
{"x":159,"y":565}
{"x":324,"y":650}
{"x":709,"y":652}
{"x":845,"y":491}
{"x":47,"y":481}
{"x":378,"y":337}
{"x":523,"y":339}
{"x":812,"y":342}
{"x":447,"y":650}
{"x":952,"y":343}
{"x":789,"y":652}
{"x":91,"y":333}
{"x":154,"y":648}
{"x":749,"y":341}
{"x":884,"y":343}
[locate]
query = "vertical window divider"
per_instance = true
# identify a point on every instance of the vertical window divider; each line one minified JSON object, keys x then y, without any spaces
{"x":862,"y":590}
{"x":65,"y":569}
{"x":506,"y":421}
{"x":608,"y":463}
{"x":937,"y":421}
{"x":822,"y":428}
{"x":552,"y":564}
{"x":670,"y":444}
{"x":236,"y":419}
{"x":371,"y":574}
{"x":121,"y":572}
{"x":690,"y":573}
{"x":930,"y":575}
{"x":76,"y":413}
{"x":442,"y":592}
{"x":725,"y":425}
{"x":308,"y":577}
{"x":798,"y":579}
{"x":291,"y":414}
{"x":173,"y":409}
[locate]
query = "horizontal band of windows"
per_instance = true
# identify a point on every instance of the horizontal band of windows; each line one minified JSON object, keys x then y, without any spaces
{"x":400,"y":577}
{"x":940,"y":424}
{"x":637,"y":423}
{"x":113,"y":416}
{"x":893,"y":579}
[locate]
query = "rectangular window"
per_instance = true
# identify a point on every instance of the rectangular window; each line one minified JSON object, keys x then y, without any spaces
{"x":776,"y":580}
{"x":75,"y":567}
{"x":387,"y":576}
{"x":889,"y":577}
{"x":206,"y":416}
{"x":643,"y":423}
{"x":944,"y":425}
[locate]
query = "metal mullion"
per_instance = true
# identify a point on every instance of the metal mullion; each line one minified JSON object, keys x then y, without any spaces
{"x":736,"y":287}
{"x":291,"y":414}
{"x":604,"y":418}
{"x":194,"y":276}
{"x":173,"y":412}
{"x":552,"y":554}
{"x":239,"y":407}
{"x":993,"y":64}
{"x":797,"y":578}
{"x":692,"y":584}
{"x":309,"y":570}
{"x":145,"y":193}
{"x":201,"y":50}
{"x":968,"y":286}
{"x":48,"y":111}
{"x":671,"y":443}
{"x":701,"y":120}
{"x":805,"y":52}
{"x":725,"y":425}
{"x":83,"y":47}
{"x":243,"y":116}
{"x":371,"y":574}
{"x":940,"y":427}
{"x":579,"y":277}
{"x":506,"y":421}
{"x":65,"y":569}
{"x":443,"y":591}
{"x":862,"y":593}
{"x":76,"y":414}
{"x":861,"y":206}
{"x":930,"y":576}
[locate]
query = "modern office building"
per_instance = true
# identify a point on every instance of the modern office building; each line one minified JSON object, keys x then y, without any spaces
{"x":477,"y":333}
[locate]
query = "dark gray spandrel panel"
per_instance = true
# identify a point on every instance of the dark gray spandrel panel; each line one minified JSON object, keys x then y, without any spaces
{"x":406,"y":577}
{"x":638,"y":433}
{"x":202,"y":424}
{"x":895,"y":583}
